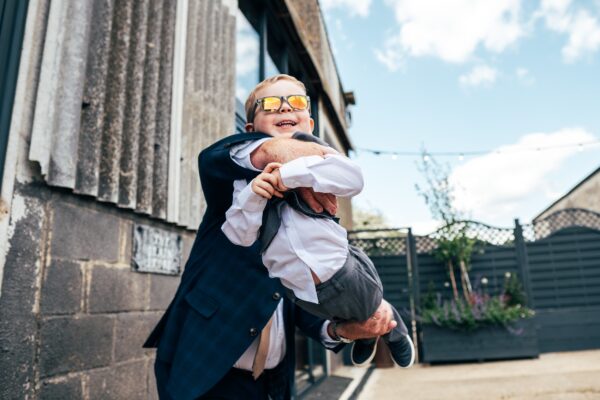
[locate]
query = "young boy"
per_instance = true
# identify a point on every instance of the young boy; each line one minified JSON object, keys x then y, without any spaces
{"x":309,"y":252}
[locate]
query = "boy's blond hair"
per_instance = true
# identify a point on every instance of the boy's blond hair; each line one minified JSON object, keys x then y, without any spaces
{"x":251,"y":101}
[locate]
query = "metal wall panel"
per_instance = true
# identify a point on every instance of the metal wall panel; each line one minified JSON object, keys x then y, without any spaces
{"x":208,"y":95}
{"x":102,"y":124}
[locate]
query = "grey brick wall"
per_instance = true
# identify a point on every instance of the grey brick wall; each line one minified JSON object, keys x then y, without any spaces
{"x":73,"y":313}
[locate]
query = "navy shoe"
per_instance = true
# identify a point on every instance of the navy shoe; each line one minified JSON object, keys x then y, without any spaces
{"x":403,"y":351}
{"x":363,"y":352}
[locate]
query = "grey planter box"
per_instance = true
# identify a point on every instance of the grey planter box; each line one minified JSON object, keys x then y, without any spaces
{"x":488,"y":343}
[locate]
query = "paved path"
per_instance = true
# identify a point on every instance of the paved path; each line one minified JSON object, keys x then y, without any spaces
{"x":554,"y":376}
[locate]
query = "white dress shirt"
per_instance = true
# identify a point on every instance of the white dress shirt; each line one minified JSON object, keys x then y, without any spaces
{"x":303,"y":243}
{"x":240,"y":154}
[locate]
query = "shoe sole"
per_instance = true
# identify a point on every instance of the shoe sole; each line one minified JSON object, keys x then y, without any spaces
{"x":368,"y":360}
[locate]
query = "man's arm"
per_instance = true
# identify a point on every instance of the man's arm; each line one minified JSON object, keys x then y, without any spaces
{"x":283,"y":150}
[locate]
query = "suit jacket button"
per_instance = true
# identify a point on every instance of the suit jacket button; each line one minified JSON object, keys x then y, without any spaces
{"x":276,"y":296}
{"x":253,"y":331}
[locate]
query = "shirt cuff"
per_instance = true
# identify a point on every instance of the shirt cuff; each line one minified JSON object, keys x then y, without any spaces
{"x":240,"y":153}
{"x":251,"y":201}
{"x":327,"y":341}
{"x":295,"y":173}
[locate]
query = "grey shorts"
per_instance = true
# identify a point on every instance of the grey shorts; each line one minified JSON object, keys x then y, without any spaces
{"x":354,"y":293}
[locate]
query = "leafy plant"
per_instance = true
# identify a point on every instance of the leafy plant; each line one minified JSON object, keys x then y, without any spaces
{"x":481,"y":310}
{"x":454,"y":246}
{"x":513,"y":290}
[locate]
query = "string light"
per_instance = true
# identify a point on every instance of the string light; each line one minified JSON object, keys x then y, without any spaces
{"x":462,"y":154}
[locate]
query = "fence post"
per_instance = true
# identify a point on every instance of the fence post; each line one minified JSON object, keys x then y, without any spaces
{"x":413,"y":267}
{"x":415,"y":303}
{"x":523,"y":262}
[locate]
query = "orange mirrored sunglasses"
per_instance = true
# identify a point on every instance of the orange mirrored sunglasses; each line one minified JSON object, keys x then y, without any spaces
{"x":298,"y":102}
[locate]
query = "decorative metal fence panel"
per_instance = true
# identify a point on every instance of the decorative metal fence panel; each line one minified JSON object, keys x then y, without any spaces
{"x":488,"y":271}
{"x":388,"y":251}
{"x":557,"y":260}
{"x":564,"y":265}
{"x":565,"y":269}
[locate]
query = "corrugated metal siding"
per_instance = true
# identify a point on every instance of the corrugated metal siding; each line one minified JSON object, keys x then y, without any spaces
{"x":209,"y":94}
{"x":103,"y":110}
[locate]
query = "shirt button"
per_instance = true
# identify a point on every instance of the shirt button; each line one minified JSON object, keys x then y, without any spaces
{"x":253,"y":331}
{"x":276,"y":296}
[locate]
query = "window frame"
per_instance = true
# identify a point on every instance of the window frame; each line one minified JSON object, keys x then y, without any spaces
{"x":263,"y":20}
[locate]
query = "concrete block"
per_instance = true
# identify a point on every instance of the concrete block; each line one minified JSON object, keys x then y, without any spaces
{"x":125,"y":381}
{"x":17,"y":357}
{"x":61,"y":389}
{"x":114,"y":289}
{"x":18,"y":328}
{"x":61,"y":289}
{"x":162,"y":290}
{"x":126,"y":241}
{"x":74,"y":344}
{"x":79,"y":233}
{"x":152,"y":390}
{"x":131,"y":333}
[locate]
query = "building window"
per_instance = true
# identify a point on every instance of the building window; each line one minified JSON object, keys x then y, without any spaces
{"x":247,"y":57}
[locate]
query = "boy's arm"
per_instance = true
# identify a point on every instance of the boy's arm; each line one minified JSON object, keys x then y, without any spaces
{"x":332,"y":173}
{"x":244,"y":217}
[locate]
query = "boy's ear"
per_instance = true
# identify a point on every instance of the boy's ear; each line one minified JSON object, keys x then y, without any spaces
{"x":312,"y":125}
{"x":249,"y":127}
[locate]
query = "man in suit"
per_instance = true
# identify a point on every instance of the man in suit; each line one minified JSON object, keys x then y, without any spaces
{"x":210,"y":339}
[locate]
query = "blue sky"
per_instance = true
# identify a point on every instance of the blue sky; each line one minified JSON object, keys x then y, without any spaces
{"x":471,"y":75}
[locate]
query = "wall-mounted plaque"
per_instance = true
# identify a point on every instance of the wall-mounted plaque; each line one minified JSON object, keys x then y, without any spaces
{"x":156,"y":250}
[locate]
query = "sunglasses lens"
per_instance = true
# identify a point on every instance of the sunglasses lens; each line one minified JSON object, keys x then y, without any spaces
{"x":298,"y":102}
{"x":271,"y":103}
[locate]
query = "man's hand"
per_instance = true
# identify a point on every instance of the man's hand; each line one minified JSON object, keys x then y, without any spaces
{"x":319,"y":201}
{"x":378,"y":324}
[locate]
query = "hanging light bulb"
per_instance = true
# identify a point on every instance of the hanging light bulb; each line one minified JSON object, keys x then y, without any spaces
{"x":461,"y":157}
{"x":425,"y":157}
{"x":394,"y":156}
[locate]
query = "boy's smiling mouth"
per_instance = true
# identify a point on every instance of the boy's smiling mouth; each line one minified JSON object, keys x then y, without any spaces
{"x":286,"y":122}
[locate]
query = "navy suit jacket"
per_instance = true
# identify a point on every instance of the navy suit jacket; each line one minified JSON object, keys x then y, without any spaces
{"x":225,"y":296}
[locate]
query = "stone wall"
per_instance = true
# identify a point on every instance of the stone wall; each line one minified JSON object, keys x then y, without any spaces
{"x":73,"y":313}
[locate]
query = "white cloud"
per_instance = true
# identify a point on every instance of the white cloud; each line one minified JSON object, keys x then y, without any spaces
{"x":452,"y":29}
{"x":389,"y":56}
{"x":494,"y":186}
{"x":524,"y":76}
{"x":353,"y":7}
{"x":582,"y":28}
{"x":424,"y":227}
{"x":481,"y":75}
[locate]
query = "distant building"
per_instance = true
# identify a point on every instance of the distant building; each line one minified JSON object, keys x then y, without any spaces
{"x":105,"y":107}
{"x":586,"y":195}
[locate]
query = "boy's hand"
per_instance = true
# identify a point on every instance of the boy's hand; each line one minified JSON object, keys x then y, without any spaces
{"x":273,"y":168}
{"x":268,"y":183}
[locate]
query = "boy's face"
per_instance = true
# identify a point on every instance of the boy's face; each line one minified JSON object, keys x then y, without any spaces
{"x":286,"y":121}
